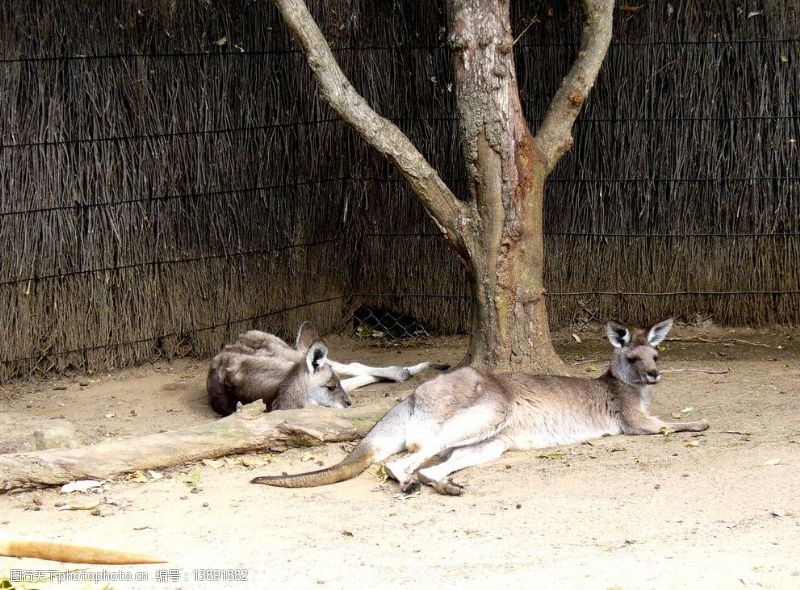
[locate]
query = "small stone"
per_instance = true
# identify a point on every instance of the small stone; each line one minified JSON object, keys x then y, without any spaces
{"x":205,"y":504}
{"x":59,"y":387}
{"x":96,"y":512}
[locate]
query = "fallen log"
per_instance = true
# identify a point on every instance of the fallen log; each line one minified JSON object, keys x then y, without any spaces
{"x":248,"y":429}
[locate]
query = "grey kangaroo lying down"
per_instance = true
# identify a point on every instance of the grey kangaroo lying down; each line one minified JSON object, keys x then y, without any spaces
{"x":471,"y":416}
{"x":262,"y":366}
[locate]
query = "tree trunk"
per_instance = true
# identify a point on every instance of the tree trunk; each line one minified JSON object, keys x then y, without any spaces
{"x":507,"y":174}
{"x":510,"y":330}
{"x":498,"y":234}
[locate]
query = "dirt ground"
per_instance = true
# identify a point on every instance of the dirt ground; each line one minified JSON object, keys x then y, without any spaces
{"x":719,"y":509}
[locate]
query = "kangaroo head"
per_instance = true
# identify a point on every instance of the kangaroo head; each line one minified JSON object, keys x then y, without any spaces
{"x":635,"y":356}
{"x":322,"y":385}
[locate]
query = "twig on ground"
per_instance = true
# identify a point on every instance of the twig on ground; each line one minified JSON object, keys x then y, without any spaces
{"x":708,"y":371}
{"x":756,"y":343}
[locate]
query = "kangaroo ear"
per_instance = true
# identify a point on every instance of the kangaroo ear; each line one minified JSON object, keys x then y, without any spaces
{"x":618,"y":335}
{"x":316,"y":356}
{"x":657,"y":333}
{"x":306,"y":336}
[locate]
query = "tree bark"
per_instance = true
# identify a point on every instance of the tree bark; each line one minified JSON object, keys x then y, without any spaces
{"x":507,"y":173}
{"x":499,"y":233}
{"x":250,"y":429}
{"x":437,"y":198}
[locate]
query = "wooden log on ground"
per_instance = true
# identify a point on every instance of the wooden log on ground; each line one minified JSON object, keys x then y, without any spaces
{"x":249,"y":429}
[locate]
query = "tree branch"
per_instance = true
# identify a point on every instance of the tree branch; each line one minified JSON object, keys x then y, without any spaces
{"x":248,"y":429}
{"x":442,"y":205}
{"x":554,"y":137}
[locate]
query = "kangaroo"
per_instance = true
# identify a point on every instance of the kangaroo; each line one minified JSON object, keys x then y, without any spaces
{"x":472,"y":416}
{"x":262,"y":366}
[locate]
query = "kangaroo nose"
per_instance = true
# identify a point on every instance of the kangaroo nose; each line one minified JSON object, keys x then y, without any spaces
{"x":347,"y":403}
{"x":653,"y":375}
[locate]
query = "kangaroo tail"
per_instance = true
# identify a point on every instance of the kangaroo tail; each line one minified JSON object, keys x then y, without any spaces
{"x":385,"y":439}
{"x":352,"y":465}
{"x":68,"y":553}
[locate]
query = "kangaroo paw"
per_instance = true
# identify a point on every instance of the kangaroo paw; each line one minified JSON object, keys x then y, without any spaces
{"x":446,"y":487}
{"x":402,"y":374}
{"x":410,"y":487}
{"x":697,"y":426}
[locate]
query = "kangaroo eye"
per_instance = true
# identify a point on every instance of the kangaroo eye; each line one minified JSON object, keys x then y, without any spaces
{"x":631,"y":360}
{"x":331,"y":387}
{"x":655,"y":358}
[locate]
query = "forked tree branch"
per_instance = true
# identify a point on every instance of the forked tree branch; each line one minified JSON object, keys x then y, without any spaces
{"x":442,"y":205}
{"x":554,"y":137}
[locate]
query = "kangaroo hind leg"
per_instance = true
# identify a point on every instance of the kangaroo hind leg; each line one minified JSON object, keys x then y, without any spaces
{"x":460,"y":458}
{"x":427,"y":439}
{"x":392,"y":373}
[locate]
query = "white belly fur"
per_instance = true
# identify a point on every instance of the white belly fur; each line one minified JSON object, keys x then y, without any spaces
{"x":541,"y":432}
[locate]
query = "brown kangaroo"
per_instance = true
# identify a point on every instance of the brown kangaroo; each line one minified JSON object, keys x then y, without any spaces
{"x":262,"y":366}
{"x":471,"y":416}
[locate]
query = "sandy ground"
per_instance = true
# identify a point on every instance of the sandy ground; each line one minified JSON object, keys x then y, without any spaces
{"x":716,"y":510}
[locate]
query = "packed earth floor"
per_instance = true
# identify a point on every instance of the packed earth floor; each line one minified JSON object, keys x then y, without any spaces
{"x":718,"y":509}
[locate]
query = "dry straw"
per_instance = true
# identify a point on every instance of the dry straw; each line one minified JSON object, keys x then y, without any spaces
{"x":169,"y":175}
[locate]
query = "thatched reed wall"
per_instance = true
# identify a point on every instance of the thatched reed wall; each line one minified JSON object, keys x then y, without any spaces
{"x":681,"y":195}
{"x":168,"y":200}
{"x":168,"y":176}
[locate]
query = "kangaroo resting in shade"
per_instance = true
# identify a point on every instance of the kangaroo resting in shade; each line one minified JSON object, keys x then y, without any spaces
{"x":472,"y":416}
{"x":262,"y":366}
